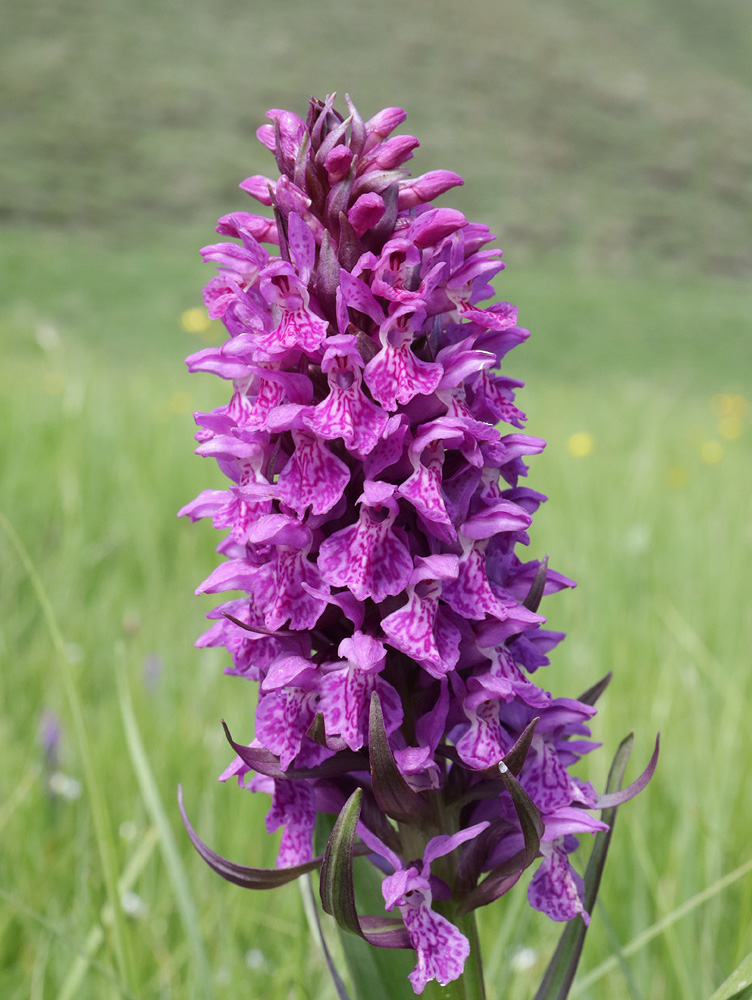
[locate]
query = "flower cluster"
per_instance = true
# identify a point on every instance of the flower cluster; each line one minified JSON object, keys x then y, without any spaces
{"x":374,"y":511}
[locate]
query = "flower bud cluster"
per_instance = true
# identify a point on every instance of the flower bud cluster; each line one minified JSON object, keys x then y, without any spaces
{"x":375,"y":459}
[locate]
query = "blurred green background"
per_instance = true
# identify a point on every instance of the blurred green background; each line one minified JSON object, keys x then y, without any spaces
{"x":610,"y":148}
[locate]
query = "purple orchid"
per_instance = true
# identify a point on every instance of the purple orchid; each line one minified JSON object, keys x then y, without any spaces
{"x":374,"y":510}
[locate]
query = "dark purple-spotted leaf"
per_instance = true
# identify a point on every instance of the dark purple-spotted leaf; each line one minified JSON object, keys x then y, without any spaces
{"x":265,"y":762}
{"x":337,"y":887}
{"x":390,"y":789}
{"x":561,"y":970}
{"x":611,"y":799}
{"x":537,"y":587}
{"x":591,"y":696}
{"x":248,"y":878}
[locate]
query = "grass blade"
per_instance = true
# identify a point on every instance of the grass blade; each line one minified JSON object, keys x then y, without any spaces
{"x":738,"y":986}
{"x":561,"y":970}
{"x":168,"y":846}
{"x":62,"y":936}
{"x":99,"y":812}
{"x":660,"y":926}
{"x":96,"y":935}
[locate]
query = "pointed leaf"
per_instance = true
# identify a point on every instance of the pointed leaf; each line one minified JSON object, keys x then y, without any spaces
{"x":337,"y":887}
{"x":248,"y":878}
{"x":591,"y":696}
{"x":537,"y":587}
{"x":317,"y":730}
{"x":265,"y":762}
{"x":500,"y":879}
{"x":625,"y":794}
{"x":518,"y":754}
{"x":390,"y":789}
{"x":562,"y":967}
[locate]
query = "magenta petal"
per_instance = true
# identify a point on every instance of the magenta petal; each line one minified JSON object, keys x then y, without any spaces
{"x":545,"y":779}
{"x":347,"y":413}
{"x":345,"y":697}
{"x":442,"y":949}
{"x":482,"y":744}
{"x":290,"y":599}
{"x":292,"y":807}
{"x":367,"y":557}
{"x":396,"y":375}
{"x":445,"y":843}
{"x":283,"y":718}
{"x":556,"y":889}
{"x":470,"y":595}
{"x":312,"y":477}
{"x":418,"y":630}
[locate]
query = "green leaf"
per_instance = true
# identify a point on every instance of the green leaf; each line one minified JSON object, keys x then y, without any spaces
{"x":499,"y":880}
{"x":560,"y":973}
{"x":375,"y":973}
{"x":393,"y":794}
{"x":337,"y":886}
{"x":738,"y":986}
{"x":98,"y":803}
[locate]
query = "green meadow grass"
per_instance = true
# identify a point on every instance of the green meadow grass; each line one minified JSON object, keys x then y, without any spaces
{"x":96,"y":458}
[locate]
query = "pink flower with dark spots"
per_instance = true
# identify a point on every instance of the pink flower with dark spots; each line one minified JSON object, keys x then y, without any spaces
{"x":371,"y":577}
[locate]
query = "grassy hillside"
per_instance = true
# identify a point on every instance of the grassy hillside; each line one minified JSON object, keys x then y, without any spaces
{"x":613,"y":133}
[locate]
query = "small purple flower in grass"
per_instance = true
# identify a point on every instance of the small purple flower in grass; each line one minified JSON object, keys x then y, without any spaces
{"x":374,"y":510}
